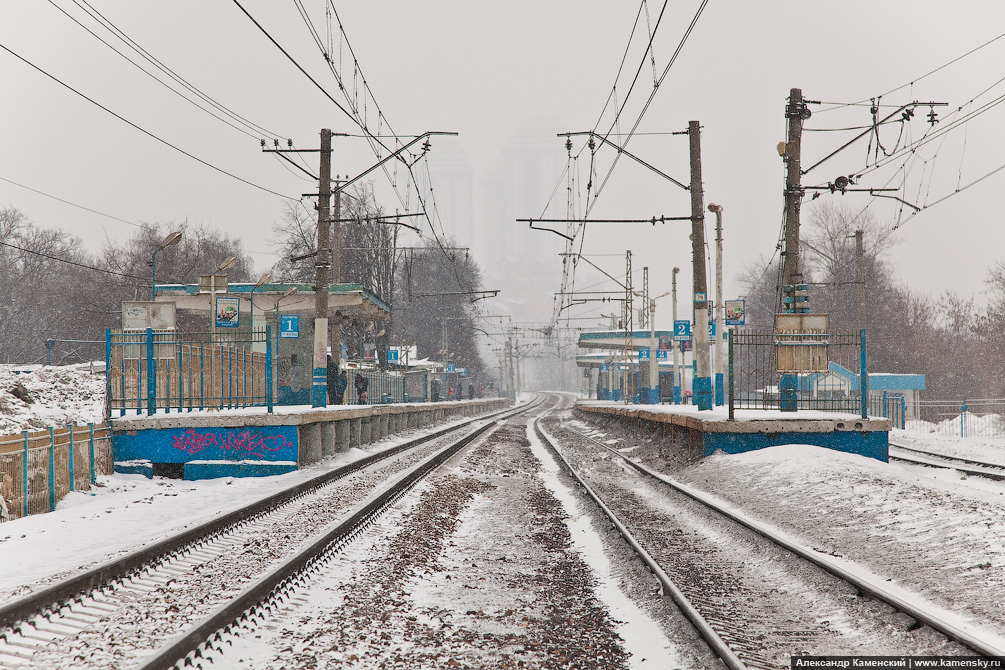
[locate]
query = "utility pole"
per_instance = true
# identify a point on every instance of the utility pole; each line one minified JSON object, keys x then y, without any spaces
{"x":701,"y":386}
{"x":336,"y":274}
{"x":860,"y":277}
{"x":676,"y":349}
{"x":720,"y":326}
{"x":795,"y":293}
{"x":654,"y":375}
{"x":628,"y":376}
{"x":319,"y":390}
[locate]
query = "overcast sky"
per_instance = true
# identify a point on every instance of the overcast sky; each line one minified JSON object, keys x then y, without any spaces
{"x":494,"y":72}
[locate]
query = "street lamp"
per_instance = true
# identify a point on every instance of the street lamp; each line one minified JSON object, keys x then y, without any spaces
{"x":225,"y":264}
{"x":264,"y":279}
{"x":169,"y":241}
{"x":720,"y":326}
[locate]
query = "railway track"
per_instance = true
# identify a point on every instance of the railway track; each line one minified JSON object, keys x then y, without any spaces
{"x":929,"y":459}
{"x":158,"y":590}
{"x":749,"y":634}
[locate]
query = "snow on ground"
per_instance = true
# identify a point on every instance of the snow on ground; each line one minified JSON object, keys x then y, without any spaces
{"x":929,"y":532}
{"x":985,"y":449}
{"x":59,"y":395}
{"x":124,"y":512}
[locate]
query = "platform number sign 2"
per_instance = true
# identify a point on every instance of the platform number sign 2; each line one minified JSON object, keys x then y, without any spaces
{"x":681,"y":331}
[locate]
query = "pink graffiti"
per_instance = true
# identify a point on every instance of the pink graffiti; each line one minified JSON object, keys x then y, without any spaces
{"x":245,"y":442}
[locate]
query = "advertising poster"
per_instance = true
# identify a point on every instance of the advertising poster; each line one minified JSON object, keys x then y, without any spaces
{"x":735,"y":312}
{"x":228,"y":311}
{"x":369,"y":352}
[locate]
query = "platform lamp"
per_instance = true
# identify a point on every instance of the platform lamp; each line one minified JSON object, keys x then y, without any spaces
{"x":169,"y":241}
{"x":264,"y":279}
{"x":225,"y":264}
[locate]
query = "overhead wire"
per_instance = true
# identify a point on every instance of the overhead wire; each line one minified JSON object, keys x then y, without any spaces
{"x":143,"y":130}
{"x":67,"y":202}
{"x":69,"y":262}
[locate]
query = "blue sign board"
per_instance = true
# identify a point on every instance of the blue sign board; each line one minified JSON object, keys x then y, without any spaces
{"x":643,"y":354}
{"x":392,"y":356}
{"x":711,"y":331}
{"x":603,"y":367}
{"x":681,"y":331}
{"x":661,"y":354}
{"x":451,"y":368}
{"x":289,"y":325}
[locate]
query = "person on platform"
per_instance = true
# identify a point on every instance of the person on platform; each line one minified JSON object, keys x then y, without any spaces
{"x":362,"y":385}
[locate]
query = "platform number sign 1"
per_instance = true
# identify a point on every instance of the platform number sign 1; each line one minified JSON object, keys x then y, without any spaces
{"x":681,"y":331}
{"x":289,"y":325}
{"x":392,"y":356}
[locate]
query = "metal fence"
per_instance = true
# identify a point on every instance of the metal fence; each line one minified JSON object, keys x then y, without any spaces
{"x":756,"y":380}
{"x":166,"y":370}
{"x":981,"y":418}
{"x":37,"y":469}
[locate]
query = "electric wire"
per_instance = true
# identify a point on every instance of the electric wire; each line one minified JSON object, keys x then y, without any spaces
{"x":917,"y":79}
{"x":69,"y":262}
{"x":67,"y":202}
{"x":142,"y":130}
{"x":258,"y":130}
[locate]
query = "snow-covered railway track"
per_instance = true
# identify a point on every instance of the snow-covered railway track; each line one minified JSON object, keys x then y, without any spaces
{"x":183,"y":572}
{"x":932,"y":460}
{"x":727,"y":587}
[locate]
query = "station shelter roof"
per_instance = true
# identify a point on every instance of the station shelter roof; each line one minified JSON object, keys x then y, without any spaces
{"x":597,"y":360}
{"x":615,"y":339}
{"x":882,"y":381}
{"x":351,"y":300}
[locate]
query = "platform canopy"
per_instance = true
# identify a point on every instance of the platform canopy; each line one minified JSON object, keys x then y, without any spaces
{"x":351,"y":300}
{"x":596,"y":360}
{"x":615,"y":339}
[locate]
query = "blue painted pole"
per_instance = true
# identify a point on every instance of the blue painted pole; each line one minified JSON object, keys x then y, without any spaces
{"x":863,"y":383}
{"x":268,"y":367}
{"x":730,"y":363}
{"x":108,"y":371}
{"x":24,"y":476}
{"x":52,"y":470}
{"x":90,"y":428}
{"x":151,"y":374}
{"x":69,"y":462}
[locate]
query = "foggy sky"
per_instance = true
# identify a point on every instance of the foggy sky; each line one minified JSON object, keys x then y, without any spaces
{"x":503,"y":74}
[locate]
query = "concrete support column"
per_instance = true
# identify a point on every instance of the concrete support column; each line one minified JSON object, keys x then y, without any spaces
{"x":385,"y":421}
{"x":365,"y":430}
{"x":342,"y":436}
{"x":327,"y":439}
{"x":309,"y":435}
{"x":354,"y":430}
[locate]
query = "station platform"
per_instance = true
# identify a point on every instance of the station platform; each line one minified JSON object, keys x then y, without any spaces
{"x":251,"y":442}
{"x":710,"y":431}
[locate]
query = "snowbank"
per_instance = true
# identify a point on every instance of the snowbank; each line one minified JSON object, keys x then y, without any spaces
{"x":58,"y":395}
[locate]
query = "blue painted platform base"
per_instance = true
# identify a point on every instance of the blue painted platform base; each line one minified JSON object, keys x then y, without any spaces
{"x":677,"y":395}
{"x":135,"y":467}
{"x":720,"y":392}
{"x":873,"y":444}
{"x":713,"y":432}
{"x":650,"y":396}
{"x":195,"y":470}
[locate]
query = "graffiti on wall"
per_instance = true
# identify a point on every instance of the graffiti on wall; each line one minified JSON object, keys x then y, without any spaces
{"x":180,"y":445}
{"x":239,"y":443}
